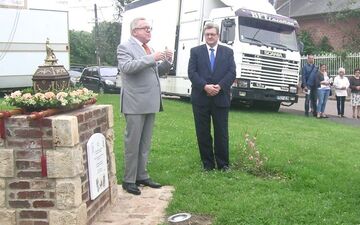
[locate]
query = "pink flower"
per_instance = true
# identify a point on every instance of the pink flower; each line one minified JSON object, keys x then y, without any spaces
{"x":49,"y":95}
{"x":26,"y":96}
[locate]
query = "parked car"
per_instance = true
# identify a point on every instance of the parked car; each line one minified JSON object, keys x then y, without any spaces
{"x":78,"y":68}
{"x":100,"y":79}
{"x":74,"y":77}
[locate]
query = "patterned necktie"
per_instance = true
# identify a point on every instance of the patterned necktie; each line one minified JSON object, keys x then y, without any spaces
{"x":147,"y":49}
{"x":212,"y":59}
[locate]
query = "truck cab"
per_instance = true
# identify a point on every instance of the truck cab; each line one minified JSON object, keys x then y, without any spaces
{"x":266,"y":55}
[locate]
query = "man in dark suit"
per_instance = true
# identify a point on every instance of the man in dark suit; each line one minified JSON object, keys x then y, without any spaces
{"x":212,"y":71}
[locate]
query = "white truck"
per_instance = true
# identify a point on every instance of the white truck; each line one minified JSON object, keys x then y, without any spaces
{"x":22,"y":43}
{"x":265,"y":47}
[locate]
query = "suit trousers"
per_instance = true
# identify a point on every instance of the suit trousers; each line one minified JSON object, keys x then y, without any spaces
{"x":340,"y":104}
{"x":313,"y":99}
{"x":219,"y":150}
{"x":138,"y":133}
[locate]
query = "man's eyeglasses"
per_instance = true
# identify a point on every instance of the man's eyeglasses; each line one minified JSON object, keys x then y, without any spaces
{"x":210,"y":34}
{"x":147,"y":29}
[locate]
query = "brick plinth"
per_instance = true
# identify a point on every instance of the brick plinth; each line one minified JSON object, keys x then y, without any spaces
{"x":63,"y":196}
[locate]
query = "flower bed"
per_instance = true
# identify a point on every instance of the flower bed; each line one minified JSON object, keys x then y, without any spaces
{"x":40,"y":101}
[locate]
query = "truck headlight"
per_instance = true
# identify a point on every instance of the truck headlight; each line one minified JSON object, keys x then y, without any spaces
{"x":241,"y":83}
{"x":293,"y":90}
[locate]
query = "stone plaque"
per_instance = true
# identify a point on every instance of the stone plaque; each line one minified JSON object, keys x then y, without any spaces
{"x":97,"y":165}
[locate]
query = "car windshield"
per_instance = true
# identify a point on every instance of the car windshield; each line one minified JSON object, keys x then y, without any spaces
{"x":267,"y":33}
{"x":108,"y":71}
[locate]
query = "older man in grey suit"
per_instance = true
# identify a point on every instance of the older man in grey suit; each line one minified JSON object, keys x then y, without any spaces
{"x":140,"y":96}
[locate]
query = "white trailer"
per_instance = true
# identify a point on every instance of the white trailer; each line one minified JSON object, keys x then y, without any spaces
{"x":265,"y":47}
{"x":22,"y":43}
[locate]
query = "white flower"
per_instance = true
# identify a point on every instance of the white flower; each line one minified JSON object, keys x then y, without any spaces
{"x":15,"y":94}
{"x":40,"y":96}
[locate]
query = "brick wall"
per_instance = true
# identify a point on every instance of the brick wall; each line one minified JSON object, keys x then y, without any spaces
{"x":338,"y":33}
{"x":27,"y":198}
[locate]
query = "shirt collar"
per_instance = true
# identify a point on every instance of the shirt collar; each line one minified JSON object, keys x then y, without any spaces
{"x":215,"y":47}
{"x":137,"y":41}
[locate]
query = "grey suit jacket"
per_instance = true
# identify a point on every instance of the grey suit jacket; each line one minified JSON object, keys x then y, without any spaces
{"x":140,"y":90}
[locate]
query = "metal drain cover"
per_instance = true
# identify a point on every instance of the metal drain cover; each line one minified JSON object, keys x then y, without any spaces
{"x":180,"y":217}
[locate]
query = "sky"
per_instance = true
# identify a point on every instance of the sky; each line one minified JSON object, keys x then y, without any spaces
{"x":81,"y":12}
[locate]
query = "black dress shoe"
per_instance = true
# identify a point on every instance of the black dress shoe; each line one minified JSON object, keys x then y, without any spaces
{"x":149,"y":183}
{"x":224,"y":168}
{"x":208,"y":169}
{"x":131,"y":188}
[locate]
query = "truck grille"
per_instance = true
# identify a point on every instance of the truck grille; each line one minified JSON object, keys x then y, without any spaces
{"x":269,"y":72}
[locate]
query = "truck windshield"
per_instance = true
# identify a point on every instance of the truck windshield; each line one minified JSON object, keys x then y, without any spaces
{"x":261,"y":32}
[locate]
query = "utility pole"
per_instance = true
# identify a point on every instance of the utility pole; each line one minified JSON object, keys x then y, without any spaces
{"x":97,"y":48}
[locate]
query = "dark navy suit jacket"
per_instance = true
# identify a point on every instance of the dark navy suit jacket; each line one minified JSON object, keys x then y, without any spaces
{"x":200,"y":74}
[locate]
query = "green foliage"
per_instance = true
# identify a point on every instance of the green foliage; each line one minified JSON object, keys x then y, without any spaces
{"x":82,"y":45}
{"x":109,"y":39}
{"x":310,"y":47}
{"x":82,"y":48}
{"x":324,"y":45}
{"x":307,"y":40}
{"x":251,"y":160}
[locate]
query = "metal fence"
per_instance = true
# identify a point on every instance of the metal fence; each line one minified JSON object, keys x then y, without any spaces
{"x":334,"y":62}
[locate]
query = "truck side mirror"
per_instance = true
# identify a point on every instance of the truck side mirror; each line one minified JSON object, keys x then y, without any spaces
{"x":227,"y":34}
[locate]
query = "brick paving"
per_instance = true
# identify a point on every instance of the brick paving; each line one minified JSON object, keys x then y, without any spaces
{"x":145,"y":209}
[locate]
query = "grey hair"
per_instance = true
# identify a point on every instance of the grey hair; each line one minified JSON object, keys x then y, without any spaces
{"x":211,"y":25}
{"x":341,"y":69}
{"x":135,"y":22}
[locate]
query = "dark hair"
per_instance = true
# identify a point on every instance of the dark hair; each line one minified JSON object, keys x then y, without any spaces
{"x":357,"y":69}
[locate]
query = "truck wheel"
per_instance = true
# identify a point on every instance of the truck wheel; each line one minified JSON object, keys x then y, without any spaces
{"x":274,"y":107}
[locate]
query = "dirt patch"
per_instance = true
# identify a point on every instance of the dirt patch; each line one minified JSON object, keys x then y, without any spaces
{"x":194,"y":220}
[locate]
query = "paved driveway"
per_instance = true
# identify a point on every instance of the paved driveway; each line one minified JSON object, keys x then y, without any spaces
{"x":330,"y":110}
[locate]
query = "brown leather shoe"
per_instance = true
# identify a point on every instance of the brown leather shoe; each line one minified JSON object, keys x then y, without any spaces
{"x":149,"y":183}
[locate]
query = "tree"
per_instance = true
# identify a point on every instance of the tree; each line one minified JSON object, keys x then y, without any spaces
{"x":309,"y":45}
{"x":109,"y":38}
{"x":120,"y":6}
{"x":82,"y":44}
{"x":82,"y":48}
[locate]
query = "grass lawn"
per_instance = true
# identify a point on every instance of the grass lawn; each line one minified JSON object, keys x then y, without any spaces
{"x":317,"y":163}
